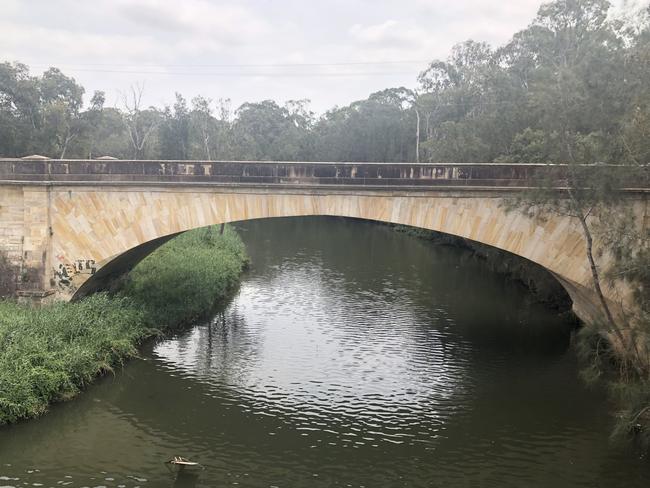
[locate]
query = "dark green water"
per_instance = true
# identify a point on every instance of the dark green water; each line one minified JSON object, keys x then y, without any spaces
{"x":351,"y":356}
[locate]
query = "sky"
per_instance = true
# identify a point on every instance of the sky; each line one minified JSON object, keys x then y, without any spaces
{"x":331,"y":52}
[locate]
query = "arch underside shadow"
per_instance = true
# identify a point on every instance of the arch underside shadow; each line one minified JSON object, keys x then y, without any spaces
{"x":111,"y":273}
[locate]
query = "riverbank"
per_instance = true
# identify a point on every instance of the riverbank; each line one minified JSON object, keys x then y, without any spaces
{"x":51,"y":353}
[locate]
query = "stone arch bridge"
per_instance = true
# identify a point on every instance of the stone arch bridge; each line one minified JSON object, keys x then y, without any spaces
{"x":70,"y":226}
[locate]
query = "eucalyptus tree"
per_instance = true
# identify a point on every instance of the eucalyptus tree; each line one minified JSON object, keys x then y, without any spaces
{"x":454,"y":95}
{"x":174,"y":130}
{"x":380,"y":128}
{"x":85,"y":133}
{"x":140,"y":123}
{"x":19,"y":110}
{"x":635,"y":130}
{"x":203,"y":126}
{"x":61,"y":102}
{"x":267,"y":131}
{"x":110,"y":137}
{"x":225,"y":143}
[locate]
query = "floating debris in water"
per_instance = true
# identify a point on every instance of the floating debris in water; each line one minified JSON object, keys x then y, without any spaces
{"x":182,"y":462}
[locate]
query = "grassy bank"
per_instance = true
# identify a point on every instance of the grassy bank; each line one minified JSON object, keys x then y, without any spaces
{"x":184,"y":279}
{"x":49,"y":354}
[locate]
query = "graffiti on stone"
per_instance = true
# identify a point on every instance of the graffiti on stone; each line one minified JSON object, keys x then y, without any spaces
{"x":66,"y":271}
{"x":63,"y":276}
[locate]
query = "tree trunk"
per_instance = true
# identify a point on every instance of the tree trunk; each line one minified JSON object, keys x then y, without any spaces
{"x":68,"y":138}
{"x":417,"y":135}
{"x":427,"y":129}
{"x":206,"y":143}
{"x":594,"y":271}
{"x":629,"y":345}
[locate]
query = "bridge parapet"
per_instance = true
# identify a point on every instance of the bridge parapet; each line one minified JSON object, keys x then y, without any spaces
{"x":267,"y":173}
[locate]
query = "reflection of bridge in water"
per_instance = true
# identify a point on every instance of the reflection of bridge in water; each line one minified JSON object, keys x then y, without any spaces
{"x":70,"y":226}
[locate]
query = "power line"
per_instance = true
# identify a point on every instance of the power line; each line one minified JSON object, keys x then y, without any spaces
{"x":248,"y":74}
{"x":226,"y":65}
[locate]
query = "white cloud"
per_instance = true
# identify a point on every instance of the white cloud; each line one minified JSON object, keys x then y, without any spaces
{"x":42,"y":44}
{"x":229,"y":23}
{"x":182,"y":40}
{"x":389,"y":33}
{"x":484,"y":9}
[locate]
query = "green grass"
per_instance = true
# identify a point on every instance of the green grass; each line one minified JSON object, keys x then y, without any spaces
{"x":50,"y":353}
{"x":184,"y":278}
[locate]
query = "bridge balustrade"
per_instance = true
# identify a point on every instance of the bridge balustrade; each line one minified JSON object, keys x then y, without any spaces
{"x":271,"y":173}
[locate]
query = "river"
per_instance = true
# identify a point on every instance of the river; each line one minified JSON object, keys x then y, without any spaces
{"x":350,"y":356}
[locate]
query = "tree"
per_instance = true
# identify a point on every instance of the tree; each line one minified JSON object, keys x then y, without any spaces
{"x":110,"y":137}
{"x":379,"y":128}
{"x":225,"y":146}
{"x":140,"y":124}
{"x":61,"y":102}
{"x":454,"y":96}
{"x":203,"y":124}
{"x":175,"y":131}
{"x":264,"y":130}
{"x":19,"y":109}
{"x":93,"y":119}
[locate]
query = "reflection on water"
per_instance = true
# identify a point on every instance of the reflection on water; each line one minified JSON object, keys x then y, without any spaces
{"x":351,"y":356}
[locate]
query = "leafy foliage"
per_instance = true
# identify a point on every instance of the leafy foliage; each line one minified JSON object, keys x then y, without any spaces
{"x":183,"y":279}
{"x":50,"y":353}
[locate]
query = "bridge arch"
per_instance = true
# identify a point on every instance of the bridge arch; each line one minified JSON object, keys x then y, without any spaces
{"x":97,"y":235}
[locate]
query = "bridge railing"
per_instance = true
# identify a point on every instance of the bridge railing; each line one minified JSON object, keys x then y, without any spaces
{"x":272,"y":173}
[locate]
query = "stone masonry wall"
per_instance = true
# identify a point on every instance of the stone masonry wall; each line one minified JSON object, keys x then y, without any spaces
{"x":12,"y":210}
{"x":24,"y":236}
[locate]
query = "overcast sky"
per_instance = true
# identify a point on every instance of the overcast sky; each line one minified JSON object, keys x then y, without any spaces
{"x":249,"y":50}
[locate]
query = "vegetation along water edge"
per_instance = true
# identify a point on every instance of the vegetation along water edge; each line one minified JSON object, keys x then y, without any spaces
{"x":50,"y":353}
